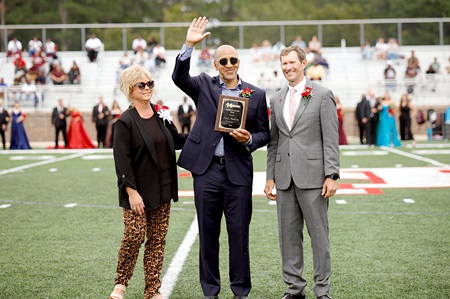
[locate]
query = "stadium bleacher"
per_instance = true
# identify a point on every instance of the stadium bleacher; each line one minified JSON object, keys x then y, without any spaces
{"x":349,"y":76}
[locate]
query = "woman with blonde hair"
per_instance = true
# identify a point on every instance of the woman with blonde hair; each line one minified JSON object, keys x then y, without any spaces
{"x":145,"y":140}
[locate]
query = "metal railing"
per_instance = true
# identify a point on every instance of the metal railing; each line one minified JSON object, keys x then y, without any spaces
{"x":441,"y":24}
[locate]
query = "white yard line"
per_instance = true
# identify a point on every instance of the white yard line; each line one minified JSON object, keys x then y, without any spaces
{"x":412,"y":156}
{"x":176,"y":265}
{"x":20,"y":168}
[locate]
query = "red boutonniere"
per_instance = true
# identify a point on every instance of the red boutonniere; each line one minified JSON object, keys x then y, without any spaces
{"x":246,"y":93}
{"x":391,"y":111}
{"x":307,"y":94}
{"x":164,"y":113}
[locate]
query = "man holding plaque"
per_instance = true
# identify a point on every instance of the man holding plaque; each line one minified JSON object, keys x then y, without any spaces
{"x":218,"y":153}
{"x":303,"y":163}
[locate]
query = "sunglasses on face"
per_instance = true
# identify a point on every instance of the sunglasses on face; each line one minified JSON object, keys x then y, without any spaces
{"x":149,"y":84}
{"x":224,"y":61}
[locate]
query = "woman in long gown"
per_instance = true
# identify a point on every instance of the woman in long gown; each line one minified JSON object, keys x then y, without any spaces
{"x":340,"y":113}
{"x":406,"y":109}
{"x":76,"y":135}
{"x":19,"y":139}
{"x":387,"y":134}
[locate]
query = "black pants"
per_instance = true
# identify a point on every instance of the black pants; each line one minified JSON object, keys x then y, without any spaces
{"x":3,"y":138}
{"x":364,"y":132}
{"x":92,"y":54}
{"x":373,"y":131}
{"x":63,"y":131}
{"x":101,"y":135}
{"x":405,"y":129}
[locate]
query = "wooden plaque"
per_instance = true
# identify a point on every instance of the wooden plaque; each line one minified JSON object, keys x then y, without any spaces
{"x":231,"y":113}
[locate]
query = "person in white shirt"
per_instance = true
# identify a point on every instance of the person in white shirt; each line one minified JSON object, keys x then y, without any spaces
{"x":50,"y":48}
{"x":160,"y":54}
{"x":93,"y":46}
{"x":14,"y":47}
{"x":139,"y":42}
{"x":34,"y":46}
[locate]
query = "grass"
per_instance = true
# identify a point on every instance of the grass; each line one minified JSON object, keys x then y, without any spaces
{"x":381,"y":247}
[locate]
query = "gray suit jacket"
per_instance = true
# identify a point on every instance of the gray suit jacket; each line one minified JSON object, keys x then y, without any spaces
{"x":309,"y":151}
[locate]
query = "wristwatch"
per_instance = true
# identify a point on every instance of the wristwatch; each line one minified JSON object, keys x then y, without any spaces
{"x":333,"y":176}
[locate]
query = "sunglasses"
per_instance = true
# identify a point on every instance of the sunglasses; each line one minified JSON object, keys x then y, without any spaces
{"x":224,"y":61}
{"x":149,"y":84}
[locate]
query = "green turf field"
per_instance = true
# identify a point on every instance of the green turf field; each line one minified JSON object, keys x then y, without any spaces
{"x":60,"y":228}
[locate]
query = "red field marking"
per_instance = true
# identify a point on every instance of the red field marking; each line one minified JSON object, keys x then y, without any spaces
{"x":445,"y":170}
{"x":184,"y":175}
{"x":373,"y":178}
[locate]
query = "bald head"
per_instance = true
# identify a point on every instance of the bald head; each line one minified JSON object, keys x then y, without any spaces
{"x":225,"y":49}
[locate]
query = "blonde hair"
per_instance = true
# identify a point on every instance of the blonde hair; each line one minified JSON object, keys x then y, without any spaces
{"x":300,"y":52}
{"x":130,"y":77}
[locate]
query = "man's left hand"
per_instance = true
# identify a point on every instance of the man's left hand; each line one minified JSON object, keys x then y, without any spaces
{"x":241,"y":135}
{"x":329,"y":188}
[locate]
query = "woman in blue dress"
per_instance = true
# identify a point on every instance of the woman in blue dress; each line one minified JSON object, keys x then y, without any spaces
{"x":387,"y":134}
{"x":19,"y":138}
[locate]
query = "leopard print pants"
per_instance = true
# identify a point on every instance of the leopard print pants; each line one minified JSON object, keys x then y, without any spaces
{"x":154,"y":224}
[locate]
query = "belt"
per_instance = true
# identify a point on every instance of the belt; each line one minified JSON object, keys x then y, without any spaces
{"x":220,"y":160}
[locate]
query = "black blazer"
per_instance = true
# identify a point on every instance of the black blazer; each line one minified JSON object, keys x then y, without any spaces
{"x":136,"y":161}
{"x":56,"y":120}
{"x":198,"y":152}
{"x":3,"y":116}
{"x":100,"y":122}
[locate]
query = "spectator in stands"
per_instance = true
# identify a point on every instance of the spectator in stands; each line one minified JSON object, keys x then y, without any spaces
{"x":413,"y":60}
{"x":53,"y":62}
{"x":152,"y":42}
{"x":205,"y":57}
{"x":406,"y":110}
{"x":430,"y":76}
{"x":14,"y":47}
{"x":34,"y":46}
{"x":139,"y":42}
{"x":265,"y":50}
{"x":276,"y":50}
{"x":448,"y":66}
{"x":100,"y":118}
{"x":38,"y":64}
{"x":50,"y":48}
{"x":412,"y":70}
{"x":29,"y":91}
{"x":277,"y":82}
{"x":93,"y":46}
{"x":4,"y":120}
{"x":19,"y":65}
{"x":393,"y":50}
{"x":298,"y":41}
{"x":435,"y":66}
{"x":74,"y":73}
{"x":140,"y":57}
{"x":314,"y":45}
{"x":40,"y":79}
{"x":255,"y":52}
{"x":366,"y":50}
{"x":315,"y":72}
{"x":3,"y":88}
{"x":321,"y":60}
{"x":125,"y":61}
{"x":15,"y":90}
{"x":159,"y":52}
{"x":389,"y":76}
{"x":58,"y":76}
{"x":381,"y":48}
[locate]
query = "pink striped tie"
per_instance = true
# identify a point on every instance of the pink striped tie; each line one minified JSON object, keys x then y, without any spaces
{"x":292,"y":106}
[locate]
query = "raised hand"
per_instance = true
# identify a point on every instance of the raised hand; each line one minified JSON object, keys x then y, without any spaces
{"x":195,"y":32}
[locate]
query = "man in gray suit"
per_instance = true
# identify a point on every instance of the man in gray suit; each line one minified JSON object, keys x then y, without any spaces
{"x":303,"y":163}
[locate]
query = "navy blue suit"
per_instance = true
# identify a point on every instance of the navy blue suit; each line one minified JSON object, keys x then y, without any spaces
{"x":221,"y":188}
